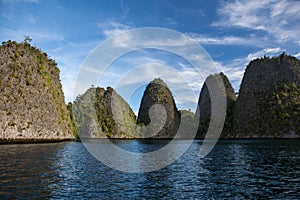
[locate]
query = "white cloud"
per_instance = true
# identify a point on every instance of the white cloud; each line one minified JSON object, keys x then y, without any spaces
{"x":277,"y":18}
{"x":69,"y":57}
{"x":111,"y":28}
{"x":235,"y":68}
{"x":170,"y":22}
{"x":37,"y":36}
{"x":227,"y":40}
{"x":20,"y":1}
{"x":185,"y":83}
{"x":124,"y":8}
{"x":297,"y":55}
{"x":242,"y":14}
{"x":165,"y":40}
{"x":264,"y":52}
{"x":148,"y":37}
{"x":243,"y":62}
{"x":234,"y":72}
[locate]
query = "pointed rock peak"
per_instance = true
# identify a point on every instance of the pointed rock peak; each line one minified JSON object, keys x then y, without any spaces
{"x":104,"y":114}
{"x":230,"y":93}
{"x":161,"y":125}
{"x":109,"y":88}
{"x":158,"y":81}
{"x":100,"y":89}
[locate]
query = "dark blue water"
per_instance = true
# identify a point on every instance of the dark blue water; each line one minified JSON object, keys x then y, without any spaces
{"x":240,"y":169}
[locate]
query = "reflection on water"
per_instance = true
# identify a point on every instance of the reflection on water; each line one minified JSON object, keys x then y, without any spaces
{"x":28,"y":170}
{"x":234,"y":169}
{"x":137,"y":156}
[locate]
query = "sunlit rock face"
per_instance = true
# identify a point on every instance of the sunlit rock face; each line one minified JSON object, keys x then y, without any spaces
{"x":32,"y":105}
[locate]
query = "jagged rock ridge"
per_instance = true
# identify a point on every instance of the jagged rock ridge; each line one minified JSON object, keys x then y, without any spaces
{"x":32,"y":101}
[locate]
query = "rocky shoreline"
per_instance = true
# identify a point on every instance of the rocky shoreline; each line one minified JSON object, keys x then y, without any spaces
{"x":34,"y":140}
{"x":4,"y":141}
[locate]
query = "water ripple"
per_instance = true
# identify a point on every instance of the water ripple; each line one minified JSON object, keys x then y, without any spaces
{"x":238,"y":169}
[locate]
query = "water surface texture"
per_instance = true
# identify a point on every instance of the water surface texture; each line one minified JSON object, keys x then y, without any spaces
{"x":242,"y":169}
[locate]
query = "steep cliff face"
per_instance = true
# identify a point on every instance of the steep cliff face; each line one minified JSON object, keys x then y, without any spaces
{"x":104,"y":113}
{"x":32,"y":103}
{"x":268,"y":104}
{"x":158,"y":111}
{"x":204,"y":107}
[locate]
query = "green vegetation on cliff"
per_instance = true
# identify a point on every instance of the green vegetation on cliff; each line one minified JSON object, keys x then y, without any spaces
{"x":99,"y":113}
{"x":279,"y":107}
{"x":268,"y":104}
{"x":32,"y":101}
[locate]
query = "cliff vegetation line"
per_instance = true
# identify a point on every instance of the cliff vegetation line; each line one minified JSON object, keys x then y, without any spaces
{"x":33,"y":107}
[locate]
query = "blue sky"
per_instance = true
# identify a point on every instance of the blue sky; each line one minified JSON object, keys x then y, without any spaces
{"x":232,"y":32}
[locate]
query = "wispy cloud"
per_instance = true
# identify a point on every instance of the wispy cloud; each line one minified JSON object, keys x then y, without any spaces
{"x":297,"y":55}
{"x":271,"y":24}
{"x":185,"y":83}
{"x":171,"y":22}
{"x":69,"y":57}
{"x":124,"y":8}
{"x":20,"y":1}
{"x":277,"y":18}
{"x":166,"y":40}
{"x":38,"y":35}
{"x":264,"y":52}
{"x":227,"y":40}
{"x":112,"y":27}
{"x":235,"y":68}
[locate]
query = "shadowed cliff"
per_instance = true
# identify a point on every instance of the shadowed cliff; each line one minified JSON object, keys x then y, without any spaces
{"x":159,"y":106}
{"x":268,"y":104}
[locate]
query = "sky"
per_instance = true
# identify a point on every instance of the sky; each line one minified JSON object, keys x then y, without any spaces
{"x":231,"y":32}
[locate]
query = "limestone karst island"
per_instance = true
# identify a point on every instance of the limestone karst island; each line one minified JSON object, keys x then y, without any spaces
{"x":33,"y":108}
{"x":149,"y":99}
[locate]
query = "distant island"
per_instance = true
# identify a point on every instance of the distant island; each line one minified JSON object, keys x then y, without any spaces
{"x":33,"y":108}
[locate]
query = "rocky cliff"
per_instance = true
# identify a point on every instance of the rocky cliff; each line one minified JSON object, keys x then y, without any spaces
{"x":158,"y":111}
{"x":268,"y":103}
{"x":32,"y":106}
{"x":204,"y":107}
{"x":102,"y":113}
